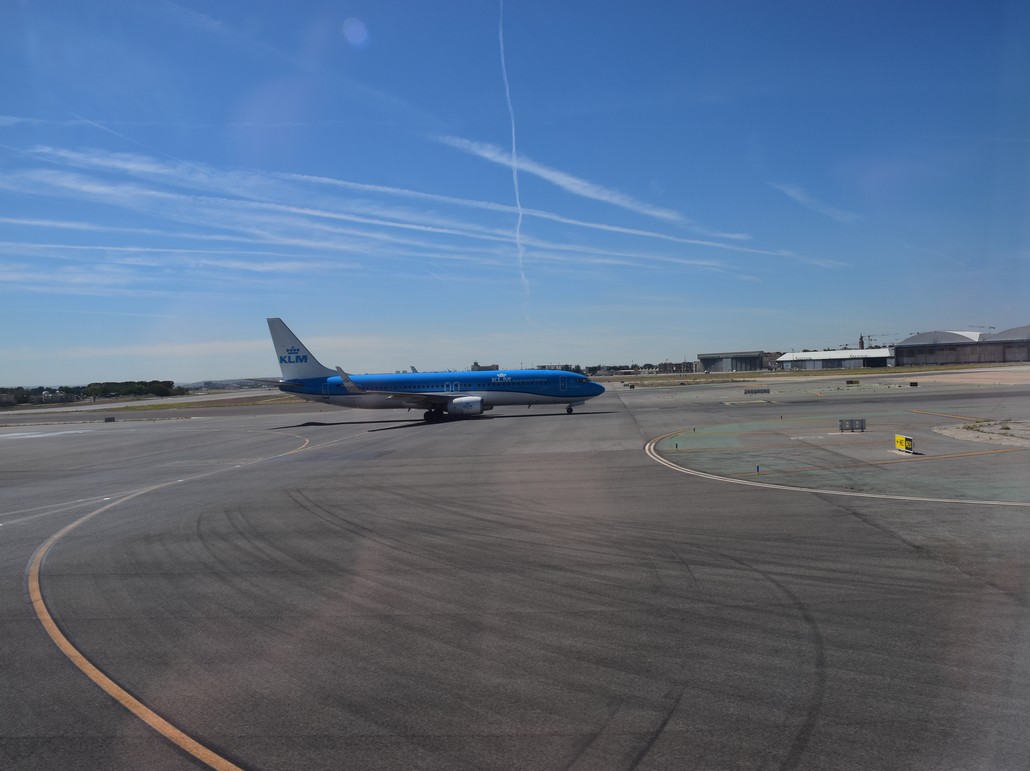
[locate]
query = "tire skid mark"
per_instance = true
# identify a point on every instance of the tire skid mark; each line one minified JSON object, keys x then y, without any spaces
{"x":134,"y":705}
{"x":599,"y":745}
{"x":94,"y":673}
{"x":337,"y":520}
{"x":815,"y":704}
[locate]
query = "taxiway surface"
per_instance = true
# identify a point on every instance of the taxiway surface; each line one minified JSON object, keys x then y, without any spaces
{"x":298,"y":587}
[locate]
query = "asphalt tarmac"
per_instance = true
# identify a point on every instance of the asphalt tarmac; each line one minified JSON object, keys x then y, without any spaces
{"x":297,"y":587}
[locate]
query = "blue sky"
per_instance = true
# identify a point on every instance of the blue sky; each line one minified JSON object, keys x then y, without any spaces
{"x":630,"y":182}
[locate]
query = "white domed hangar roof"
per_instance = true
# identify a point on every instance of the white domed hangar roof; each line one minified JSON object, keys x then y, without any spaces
{"x":941,"y":338}
{"x":1014,"y":335}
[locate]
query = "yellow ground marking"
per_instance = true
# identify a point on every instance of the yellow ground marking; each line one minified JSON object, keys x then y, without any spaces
{"x":905,"y":459}
{"x":785,"y":422}
{"x":945,"y":415}
{"x":93,"y":672}
{"x":649,"y":449}
{"x":774,"y":432}
{"x":754,"y":447}
{"x":758,"y":448}
{"x":109,"y":686}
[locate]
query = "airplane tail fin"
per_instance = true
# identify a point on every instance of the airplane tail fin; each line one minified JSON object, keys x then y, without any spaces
{"x":295,"y":361}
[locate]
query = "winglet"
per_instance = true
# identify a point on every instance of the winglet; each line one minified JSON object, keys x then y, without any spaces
{"x":347,"y":383}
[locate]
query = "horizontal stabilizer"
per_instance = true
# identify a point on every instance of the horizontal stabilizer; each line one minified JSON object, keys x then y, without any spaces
{"x":348,"y":384}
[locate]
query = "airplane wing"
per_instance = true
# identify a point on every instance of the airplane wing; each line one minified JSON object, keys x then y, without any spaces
{"x":405,"y":399}
{"x":421,"y":400}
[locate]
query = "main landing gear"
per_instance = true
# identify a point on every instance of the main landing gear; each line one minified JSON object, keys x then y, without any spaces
{"x":432,"y":415}
{"x":568,"y":410}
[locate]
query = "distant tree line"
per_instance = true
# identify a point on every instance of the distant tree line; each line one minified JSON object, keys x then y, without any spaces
{"x":96,"y":391}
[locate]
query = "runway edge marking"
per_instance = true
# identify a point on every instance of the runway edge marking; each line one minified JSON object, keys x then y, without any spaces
{"x":652,"y":453}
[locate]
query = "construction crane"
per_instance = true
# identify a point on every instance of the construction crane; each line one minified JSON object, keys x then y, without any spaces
{"x":871,"y":339}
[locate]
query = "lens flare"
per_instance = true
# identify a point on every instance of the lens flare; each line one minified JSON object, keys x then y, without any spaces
{"x":355,"y":32}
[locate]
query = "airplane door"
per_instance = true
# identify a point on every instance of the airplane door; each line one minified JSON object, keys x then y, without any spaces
{"x":563,"y":383}
{"x":325,"y":391}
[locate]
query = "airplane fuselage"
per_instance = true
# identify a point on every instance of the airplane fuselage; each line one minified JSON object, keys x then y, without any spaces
{"x":455,"y":393}
{"x":496,"y":389}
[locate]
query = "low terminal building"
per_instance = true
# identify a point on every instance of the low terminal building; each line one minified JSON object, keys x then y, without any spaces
{"x":949,"y":347}
{"x":739,"y":361}
{"x":846,"y":359}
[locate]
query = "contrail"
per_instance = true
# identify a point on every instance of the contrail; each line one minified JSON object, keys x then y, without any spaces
{"x":514,"y":157}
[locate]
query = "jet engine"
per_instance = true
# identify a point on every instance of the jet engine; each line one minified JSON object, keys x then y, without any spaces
{"x":465,"y":405}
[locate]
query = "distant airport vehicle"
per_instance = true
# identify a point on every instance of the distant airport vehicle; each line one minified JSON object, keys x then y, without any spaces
{"x":454,"y":393}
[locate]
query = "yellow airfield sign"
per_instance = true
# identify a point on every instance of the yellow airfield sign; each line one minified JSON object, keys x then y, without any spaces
{"x":903,"y":443}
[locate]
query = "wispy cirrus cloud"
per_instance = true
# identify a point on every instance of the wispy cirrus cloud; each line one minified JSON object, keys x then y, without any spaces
{"x":149,"y":350}
{"x":583,"y":188}
{"x":803,"y":197}
{"x":24,"y":120}
{"x":536,"y":214}
{"x":258,"y":187}
{"x":163,"y":257}
{"x":14,"y":120}
{"x":201,"y":223}
{"x":174,"y":13}
{"x":564,"y":180}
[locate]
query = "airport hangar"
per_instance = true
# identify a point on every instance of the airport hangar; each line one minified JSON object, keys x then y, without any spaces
{"x":1010,"y":345}
{"x":926,"y":348}
{"x":846,"y":359}
{"x":739,"y":361}
{"x":752,"y":361}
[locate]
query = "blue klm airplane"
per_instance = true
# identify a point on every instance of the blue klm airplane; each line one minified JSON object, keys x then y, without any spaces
{"x":456,"y":393}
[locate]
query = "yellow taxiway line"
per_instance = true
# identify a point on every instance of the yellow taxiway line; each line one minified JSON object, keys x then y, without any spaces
{"x":109,"y":686}
{"x":175,"y":735}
